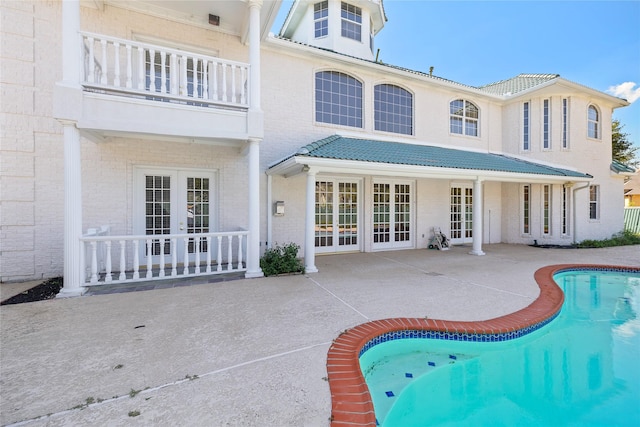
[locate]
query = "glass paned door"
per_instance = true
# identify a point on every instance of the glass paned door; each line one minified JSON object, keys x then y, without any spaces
{"x":461,"y":214}
{"x":392,"y":215}
{"x":174,"y":202}
{"x":336,"y":216}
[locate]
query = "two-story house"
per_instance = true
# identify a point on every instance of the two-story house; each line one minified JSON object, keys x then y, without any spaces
{"x":164,"y":139}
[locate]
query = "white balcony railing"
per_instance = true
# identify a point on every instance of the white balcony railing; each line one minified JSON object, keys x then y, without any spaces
{"x":126,"y":67}
{"x":117,"y":259}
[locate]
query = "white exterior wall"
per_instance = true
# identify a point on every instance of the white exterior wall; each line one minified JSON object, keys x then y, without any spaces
{"x":31,"y":148}
{"x":588,"y":155}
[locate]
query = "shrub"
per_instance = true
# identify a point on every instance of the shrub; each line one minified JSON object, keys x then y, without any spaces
{"x":620,"y":239}
{"x":281,"y":260}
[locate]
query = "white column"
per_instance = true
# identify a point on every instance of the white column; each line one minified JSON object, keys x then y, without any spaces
{"x":72,"y":212}
{"x":310,"y":225}
{"x":253,"y":242}
{"x":254,"y":52}
{"x":71,"y":63}
{"x":72,"y":164}
{"x":477,"y":218}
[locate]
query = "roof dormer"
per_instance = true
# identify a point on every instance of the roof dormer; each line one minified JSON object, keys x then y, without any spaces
{"x":344,"y":26}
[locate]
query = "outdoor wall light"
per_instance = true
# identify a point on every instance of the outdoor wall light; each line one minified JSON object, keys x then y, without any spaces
{"x":278,"y":208}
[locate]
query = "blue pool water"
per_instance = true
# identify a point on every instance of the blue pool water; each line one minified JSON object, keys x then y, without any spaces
{"x":582,"y":369}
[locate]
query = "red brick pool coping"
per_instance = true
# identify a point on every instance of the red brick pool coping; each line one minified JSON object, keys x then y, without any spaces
{"x":351,"y":403}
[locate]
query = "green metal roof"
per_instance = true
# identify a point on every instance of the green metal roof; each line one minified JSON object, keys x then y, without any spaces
{"x":619,"y":167}
{"x":368,"y":150}
{"x":517,"y":84}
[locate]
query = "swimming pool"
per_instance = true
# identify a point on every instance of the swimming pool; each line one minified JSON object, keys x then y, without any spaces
{"x":581,"y":369}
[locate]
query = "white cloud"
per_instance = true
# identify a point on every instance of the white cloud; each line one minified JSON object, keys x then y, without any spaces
{"x":625,"y":90}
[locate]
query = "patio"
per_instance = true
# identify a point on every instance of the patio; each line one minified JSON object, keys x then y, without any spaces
{"x":244,"y":352}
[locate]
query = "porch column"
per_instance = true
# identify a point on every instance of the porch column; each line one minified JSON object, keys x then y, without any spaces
{"x":310,"y":225}
{"x":254,"y":52}
{"x":477,"y":218}
{"x":72,"y":213}
{"x":72,"y":159}
{"x":253,"y":245}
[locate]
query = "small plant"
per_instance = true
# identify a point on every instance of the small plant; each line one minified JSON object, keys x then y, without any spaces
{"x":133,"y":393}
{"x":620,"y":239}
{"x":118,"y":366}
{"x":281,"y":260}
{"x":134,"y":413}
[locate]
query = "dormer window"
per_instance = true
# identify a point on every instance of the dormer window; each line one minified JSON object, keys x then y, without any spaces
{"x":321,"y":19}
{"x":351,"y":22}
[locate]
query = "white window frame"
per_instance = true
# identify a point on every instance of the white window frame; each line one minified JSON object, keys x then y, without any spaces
{"x":547,"y":197}
{"x":593,"y":124}
{"x":393,"y":116}
{"x":594,"y":203}
{"x":321,"y":19}
{"x":525,"y":208}
{"x":351,"y":27}
{"x":565,"y":123}
{"x":464,"y":118}
{"x":337,"y":118}
{"x":546,"y":124}
{"x":526,"y":126}
{"x":566,"y":206}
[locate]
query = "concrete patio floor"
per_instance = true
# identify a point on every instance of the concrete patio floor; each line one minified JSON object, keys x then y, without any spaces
{"x":244,"y":352}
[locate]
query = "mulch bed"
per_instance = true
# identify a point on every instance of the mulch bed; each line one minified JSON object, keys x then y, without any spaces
{"x":45,"y":290}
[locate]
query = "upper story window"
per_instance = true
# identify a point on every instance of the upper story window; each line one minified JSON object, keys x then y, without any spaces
{"x":351,"y":21}
{"x":593,"y":122}
{"x":393,"y":109}
{"x":525,"y":126}
{"x":463,"y":117}
{"x":546,"y":125}
{"x":338,"y":99}
{"x":321,"y":19}
{"x":565,"y":123}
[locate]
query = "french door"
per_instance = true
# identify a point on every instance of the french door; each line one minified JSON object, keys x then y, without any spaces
{"x":461,"y":214}
{"x":337,"y":216}
{"x":392,"y":215}
{"x":174,"y":202}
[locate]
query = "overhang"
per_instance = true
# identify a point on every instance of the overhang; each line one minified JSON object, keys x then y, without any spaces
{"x":346,"y":155}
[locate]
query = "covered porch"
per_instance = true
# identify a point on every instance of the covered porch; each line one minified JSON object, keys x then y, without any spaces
{"x":141,"y":89}
{"x":389,"y":159}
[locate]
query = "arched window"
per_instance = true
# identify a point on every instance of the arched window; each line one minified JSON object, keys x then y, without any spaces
{"x":393,"y":109}
{"x":593,"y":122}
{"x":463,"y":117}
{"x":338,"y":99}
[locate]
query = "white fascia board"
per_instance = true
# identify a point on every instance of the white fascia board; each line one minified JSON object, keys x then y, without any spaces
{"x":294,"y":166}
{"x":304,"y":50}
{"x":617,"y":102}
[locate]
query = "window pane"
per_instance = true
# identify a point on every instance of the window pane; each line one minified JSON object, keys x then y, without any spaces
{"x":393,"y":109}
{"x":338,"y":99}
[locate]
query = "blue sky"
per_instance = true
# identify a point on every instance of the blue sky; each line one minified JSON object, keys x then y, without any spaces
{"x":594,"y":43}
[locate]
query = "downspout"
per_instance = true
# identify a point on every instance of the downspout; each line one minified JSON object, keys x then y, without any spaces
{"x":575,"y":216}
{"x":269,"y":211}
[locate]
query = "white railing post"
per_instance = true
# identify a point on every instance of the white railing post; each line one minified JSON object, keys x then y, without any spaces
{"x":174,"y":258}
{"x":219,"y":255}
{"x":140,"y":84}
{"x":230,"y":252}
{"x":152,"y":70}
{"x":116,"y":65}
{"x":185,"y":271}
{"x":149,"y":258}
{"x":123,"y":262}
{"x":103,"y":77}
{"x":161,"y":272}
{"x":208,"y":254}
{"x":91,"y":78}
{"x":94,"y":262}
{"x":239,"y":251}
{"x":136,"y":259}
{"x":129,"y":83}
{"x":163,"y":72}
{"x":107,"y":267}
